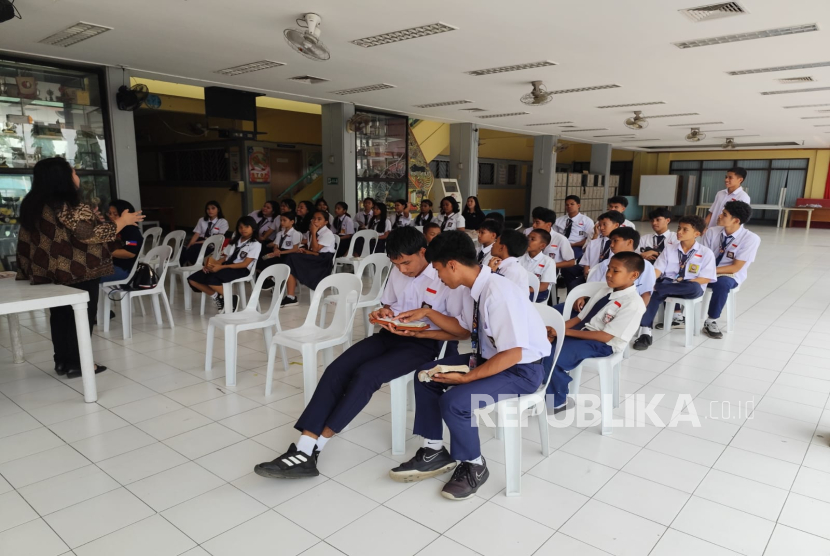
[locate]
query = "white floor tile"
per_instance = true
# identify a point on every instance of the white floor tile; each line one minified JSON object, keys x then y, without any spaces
{"x":154,"y":535}
{"x":34,"y":538}
{"x":236,"y":460}
{"x":224,"y":407}
{"x":256,"y":421}
{"x":786,"y":541}
{"x":146,"y":408}
{"x":806,"y":514}
{"x":506,"y":533}
{"x":204,"y":440}
{"x":260,"y":536}
{"x":781,"y":426}
{"x":88,"y":425}
{"x":601,"y":449}
{"x":642,"y":497}
{"x":174,"y":486}
{"x":68,"y":489}
{"x":573,"y":472}
{"x":382,"y":532}
{"x":818,"y":457}
{"x":771,"y":445}
{"x":113,"y":443}
{"x":27,"y":443}
{"x":43,"y":465}
{"x":792,"y":410}
{"x":272,"y":492}
{"x":441,"y":547}
{"x":17,"y":423}
{"x":675,"y":543}
{"x":742,"y":494}
{"x":14,"y":511}
{"x":613,"y":530}
{"x":138,"y":464}
{"x":174,"y":423}
{"x":727,"y":527}
{"x":683,"y":446}
{"x":535,"y":502}
{"x":423,"y":503}
{"x":339,"y":455}
{"x":813,"y":483}
{"x":321,"y":508}
{"x":666,"y":470}
{"x":371,"y":479}
{"x":563,"y":544}
{"x":757,"y":467}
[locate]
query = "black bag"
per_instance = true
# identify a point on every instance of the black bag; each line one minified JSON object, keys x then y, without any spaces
{"x":144,"y":278}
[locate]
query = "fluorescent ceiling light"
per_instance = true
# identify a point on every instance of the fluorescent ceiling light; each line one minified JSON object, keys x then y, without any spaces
{"x":404,"y":35}
{"x":752,"y":35}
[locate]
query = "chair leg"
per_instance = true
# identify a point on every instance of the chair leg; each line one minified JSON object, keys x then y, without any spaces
{"x":141,"y":304}
{"x":228,"y":289}
{"x":156,"y":308}
{"x":309,"y":372}
{"x":323,"y":311}
{"x":368,"y":327}
{"x":106,"y":311}
{"x":202,"y":310}
{"x":230,"y":355}
{"x":188,"y":294}
{"x":512,"y":456}
{"x":576,"y":380}
{"x":211,"y":330}
{"x":616,"y":370}
{"x":398,"y":388}
{"x":731,"y":311}
{"x":410,"y":393}
{"x":542,"y":420}
{"x":498,"y":434}
{"x":328,"y":356}
{"x":668,"y":314}
{"x":243,"y":296}
{"x":100,"y":317}
{"x":269,"y":374}
{"x":691,"y":311}
{"x":167,"y":310}
{"x":606,"y":387}
{"x":172,"y":285}
{"x":127,"y":316}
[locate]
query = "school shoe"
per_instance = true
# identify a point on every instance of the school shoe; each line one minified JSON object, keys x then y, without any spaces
{"x":466,"y":480}
{"x":293,"y":464}
{"x":712,"y":330}
{"x":268,"y":285}
{"x":60,"y":368}
{"x":677,"y":323}
{"x":642,"y":343}
{"x":288,"y":301}
{"x":74,"y":371}
{"x":426,"y":463}
{"x":220,"y":303}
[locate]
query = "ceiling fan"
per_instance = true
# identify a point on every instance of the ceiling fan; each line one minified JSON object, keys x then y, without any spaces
{"x":306,"y":41}
{"x":538,"y":96}
{"x":559,"y":147}
{"x":358,"y":123}
{"x":728,"y":144}
{"x":695,"y":136}
{"x":637,"y":122}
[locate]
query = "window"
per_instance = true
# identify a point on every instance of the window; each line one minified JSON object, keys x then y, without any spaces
{"x":512,"y":174}
{"x":440,"y":168}
{"x":486,"y":173}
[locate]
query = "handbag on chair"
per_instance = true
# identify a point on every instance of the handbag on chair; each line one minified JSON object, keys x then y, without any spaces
{"x":144,"y":278}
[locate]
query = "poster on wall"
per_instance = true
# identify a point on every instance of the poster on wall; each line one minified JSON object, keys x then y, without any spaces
{"x":259,"y":167}
{"x":233,"y":157}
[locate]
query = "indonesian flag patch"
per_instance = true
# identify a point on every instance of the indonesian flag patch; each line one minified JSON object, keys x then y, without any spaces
{"x":430,"y":290}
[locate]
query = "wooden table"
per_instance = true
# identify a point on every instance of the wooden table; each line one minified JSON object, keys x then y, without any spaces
{"x":18,"y":297}
{"x":808,"y":210}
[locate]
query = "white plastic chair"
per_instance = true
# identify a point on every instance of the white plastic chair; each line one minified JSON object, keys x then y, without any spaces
{"x":379,"y":267}
{"x":159,"y":257}
{"x":227,"y":289}
{"x":333,"y":269}
{"x":692,"y":308}
{"x":249,"y":319}
{"x":309,"y":338}
{"x":175,"y":240}
{"x":349,"y":259}
{"x":185,"y":271}
{"x":731,"y":307}
{"x":533,"y":282}
{"x":510,"y":410}
{"x":151,"y":241}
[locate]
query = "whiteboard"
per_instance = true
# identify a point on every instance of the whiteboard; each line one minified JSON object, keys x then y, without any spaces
{"x":658,"y":191}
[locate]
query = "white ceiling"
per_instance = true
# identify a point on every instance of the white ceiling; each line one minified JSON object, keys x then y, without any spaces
{"x":594,"y":42}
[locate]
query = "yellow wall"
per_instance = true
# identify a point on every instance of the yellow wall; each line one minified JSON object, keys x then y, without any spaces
{"x":190,"y":202}
{"x":511,"y":200}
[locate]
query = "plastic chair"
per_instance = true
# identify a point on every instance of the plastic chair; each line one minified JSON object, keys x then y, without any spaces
{"x":186,"y":271}
{"x":309,"y":338}
{"x":379,"y":267}
{"x":731,"y":307}
{"x":227,"y":288}
{"x":176,"y":237}
{"x":160,"y":258}
{"x":333,"y":269}
{"x":151,"y":240}
{"x":249,"y":319}
{"x":692,"y":308}
{"x":533,"y":282}
{"x":513,"y":408}
{"x":349,"y":259}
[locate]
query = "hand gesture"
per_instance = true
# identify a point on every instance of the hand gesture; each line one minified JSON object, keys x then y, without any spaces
{"x":382,"y":313}
{"x":494,"y":263}
{"x":414,"y":315}
{"x":551,"y":334}
{"x":131,"y":218}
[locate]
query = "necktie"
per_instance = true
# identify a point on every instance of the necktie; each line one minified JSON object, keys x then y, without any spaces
{"x":593,"y":312}
{"x":606,"y":250}
{"x":480,"y":256}
{"x":476,"y":345}
{"x":236,"y":252}
{"x":209,"y":229}
{"x":444,"y":223}
{"x":397,"y":221}
{"x":683,"y":260}
{"x":724,"y":244}
{"x":337,"y":225}
{"x":282,"y":240}
{"x":568,"y":228}
{"x":659,"y":243}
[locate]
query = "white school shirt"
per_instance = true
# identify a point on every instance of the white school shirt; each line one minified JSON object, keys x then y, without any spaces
{"x":250,"y":249}
{"x":620,"y":317}
{"x":362,"y":218}
{"x":721,"y":198}
{"x":628,"y":224}
{"x":420,"y":220}
{"x":559,"y":249}
{"x":513,"y":271}
{"x":325,"y":238}
{"x":403,"y":222}
{"x":743,"y":247}
{"x":700,"y":265}
{"x":581,"y":228}
{"x":541,"y":265}
{"x":592,"y":252}
{"x":405,"y":293}
{"x":454,"y":221}
{"x":388,"y":226}
{"x":347,"y":226}
{"x":216,"y":227}
{"x":648,"y":242}
{"x":292,"y":239}
{"x":488,"y":254}
{"x":644,"y":284}
{"x":507,"y":318}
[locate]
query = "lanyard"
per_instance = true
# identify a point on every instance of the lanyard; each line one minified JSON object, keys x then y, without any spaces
{"x":681,"y":273}
{"x":476,"y":345}
{"x":723,"y":246}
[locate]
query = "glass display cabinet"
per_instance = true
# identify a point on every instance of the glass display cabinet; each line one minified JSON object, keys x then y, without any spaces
{"x":382,"y":154}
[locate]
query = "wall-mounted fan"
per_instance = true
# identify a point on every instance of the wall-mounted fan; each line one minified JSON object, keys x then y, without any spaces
{"x":358,"y":122}
{"x":130,"y":98}
{"x":637,"y":122}
{"x":538,"y":96}
{"x":306,"y":41}
{"x":695,"y":136}
{"x":728,"y":144}
{"x":559,"y":147}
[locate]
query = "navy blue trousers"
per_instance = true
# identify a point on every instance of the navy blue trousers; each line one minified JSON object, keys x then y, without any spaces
{"x":436,"y":402}
{"x":668,"y":288}
{"x":560,"y":308}
{"x":577,"y":253}
{"x":350,"y":381}
{"x":720,"y":291}
{"x":574,"y":351}
{"x":543,"y":296}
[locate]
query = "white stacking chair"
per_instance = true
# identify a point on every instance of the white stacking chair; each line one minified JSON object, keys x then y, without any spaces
{"x":731,"y":307}
{"x":333,"y":269}
{"x":227,"y":289}
{"x":379,"y":267}
{"x":159,"y":258}
{"x":185,"y":271}
{"x":510,"y":411}
{"x":104,"y":303}
{"x":249,"y":319}
{"x":533,"y":282}
{"x":175,"y":240}
{"x":692,"y":308}
{"x":151,"y":241}
{"x":349,"y":259}
{"x":309,"y":338}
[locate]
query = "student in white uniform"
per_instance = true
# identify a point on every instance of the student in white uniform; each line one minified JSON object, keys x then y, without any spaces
{"x":651,"y":245}
{"x":349,"y":382}
{"x":558,"y":248}
{"x":450,"y":217}
{"x":323,"y":205}
{"x":619,"y":204}
{"x":536,"y":262}
{"x":623,"y":240}
{"x":401,"y":217}
{"x":309,"y":265}
{"x":575,"y":226}
{"x":535,"y":216}
{"x":212,"y":224}
{"x":735,"y":248}
{"x":286,"y":242}
{"x":381,"y":224}
{"x":508,"y":342}
{"x":266,"y":220}
{"x":425,"y":216}
{"x":362,"y":218}
{"x":511,"y":245}
{"x":343,"y":226}
{"x":488,"y":232}
{"x":288,"y":205}
{"x":431,"y":231}
{"x":734,"y":192}
{"x":236,"y":262}
{"x":684,"y":269}
{"x":598,"y":249}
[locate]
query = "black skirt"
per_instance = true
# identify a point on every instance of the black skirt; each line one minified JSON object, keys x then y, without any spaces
{"x":309,"y":270}
{"x":219,"y":277}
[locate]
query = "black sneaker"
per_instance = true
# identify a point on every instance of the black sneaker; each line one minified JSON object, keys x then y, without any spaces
{"x":293,"y":464}
{"x":642,"y":343}
{"x":220,"y":303}
{"x":268,"y":285}
{"x":466,"y":480}
{"x":288,"y":301}
{"x":677,"y":323}
{"x":235,"y":302}
{"x":426,"y":463}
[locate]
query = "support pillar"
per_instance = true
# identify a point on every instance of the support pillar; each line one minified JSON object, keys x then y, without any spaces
{"x":339,"y":162}
{"x":122,"y":129}
{"x":464,"y":158}
{"x":601,"y":164}
{"x":544,"y":172}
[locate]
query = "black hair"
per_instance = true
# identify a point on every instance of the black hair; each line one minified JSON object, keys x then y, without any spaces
{"x":515,"y":242}
{"x":292,"y":206}
{"x":453,"y":245}
{"x":535,"y":214}
{"x":291,"y":215}
{"x":631,"y":261}
{"x":695,"y":221}
{"x":477,"y":210}
{"x":246,"y":221}
{"x":121,"y":205}
{"x":427,"y":201}
{"x":453,"y":203}
{"x":345,"y":207}
{"x":405,"y":241}
{"x":613,"y":216}
{"x":273,"y":212}
{"x":491,"y":226}
{"x":431,"y":225}
{"x":322,"y":200}
{"x":619,"y":200}
{"x":369,"y":199}
{"x":303,"y":221}
{"x":545,"y":215}
{"x":738,"y":171}
{"x":660,"y":212}
{"x":403,"y":202}
{"x":497,"y":216}
{"x":627,"y":233}
{"x":544,"y":234}
{"x":574,"y":198}
{"x":218,"y":210}
{"x":52,"y":186}
{"x":325,"y":214}
{"x":740,"y":210}
{"x":379,"y":220}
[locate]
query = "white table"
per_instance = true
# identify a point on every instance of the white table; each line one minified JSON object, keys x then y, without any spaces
{"x":17,"y":296}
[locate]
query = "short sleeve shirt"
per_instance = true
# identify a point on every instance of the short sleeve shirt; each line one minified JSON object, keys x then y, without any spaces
{"x":513,"y":271}
{"x":582,"y":227}
{"x":541,"y":265}
{"x":400,"y":221}
{"x":620,"y":317}
{"x":405,"y":293}
{"x":648,"y":242}
{"x":721,"y":198}
{"x":132,"y":239}
{"x":453,"y":222}
{"x":325,"y":238}
{"x":701,"y":264}
{"x":346,"y":227}
{"x":362,"y":218}
{"x":743,"y":247}
{"x":644,"y":284}
{"x":249,"y":249}
{"x":216,"y":227}
{"x":288,"y":240}
{"x":592,"y":252}
{"x":559,"y":248}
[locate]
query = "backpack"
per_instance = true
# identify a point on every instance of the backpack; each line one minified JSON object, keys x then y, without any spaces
{"x":144,"y":278}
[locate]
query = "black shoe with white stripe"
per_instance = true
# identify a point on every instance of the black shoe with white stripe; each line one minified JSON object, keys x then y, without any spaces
{"x":293,"y":464}
{"x":426,"y":463}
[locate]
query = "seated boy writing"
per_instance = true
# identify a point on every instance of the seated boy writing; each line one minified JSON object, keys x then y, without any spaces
{"x":597,"y":249}
{"x":349,"y":382}
{"x":735,"y":248}
{"x":488,"y":232}
{"x":604,"y":326}
{"x":507,"y":249}
{"x":508,"y":340}
{"x":536,"y":262}
{"x":683,"y":269}
{"x":651,"y":245}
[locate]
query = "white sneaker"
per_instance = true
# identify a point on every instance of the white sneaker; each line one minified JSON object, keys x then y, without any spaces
{"x":712,"y":330}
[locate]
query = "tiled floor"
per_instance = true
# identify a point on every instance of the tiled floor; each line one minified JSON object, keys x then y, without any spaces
{"x":162,"y":464}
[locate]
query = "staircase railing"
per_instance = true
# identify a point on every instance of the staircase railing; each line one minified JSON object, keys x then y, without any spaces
{"x":300,"y":184}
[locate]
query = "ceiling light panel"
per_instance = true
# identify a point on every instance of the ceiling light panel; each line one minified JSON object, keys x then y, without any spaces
{"x":671,"y":115}
{"x":81,"y":31}
{"x":307,"y":79}
{"x":447,"y":103}
{"x":734,"y":136}
{"x":815,"y":117}
{"x":780,"y":68}
{"x":822,"y":125}
{"x":404,"y":35}
{"x":807,"y":106}
{"x":652,"y":103}
{"x":791,"y":91}
{"x":787,"y":80}
{"x":549,"y":123}
{"x":718,"y":130}
{"x":741,"y":37}
{"x":504,"y":115}
{"x":713,"y":11}
{"x":474,"y":109}
{"x":624,"y":135}
{"x":582,"y":130}
{"x":517,"y":67}
{"x":248,"y":68}
{"x":637,"y":140}
{"x":364,"y":89}
{"x":584,"y":89}
{"x":696,"y":124}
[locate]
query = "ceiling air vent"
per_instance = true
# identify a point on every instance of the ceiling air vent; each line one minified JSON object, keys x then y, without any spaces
{"x":447,"y":103}
{"x":807,"y":106}
{"x":549,"y":123}
{"x":713,"y":11}
{"x":517,"y":67}
{"x":581,"y":130}
{"x":780,"y":68}
{"x":81,"y":31}
{"x":624,"y":135}
{"x":307,"y":79}
{"x":633,"y":104}
{"x":584,"y":89}
{"x":752,"y":35}
{"x":696,"y":124}
{"x":505,"y":115}
{"x":789,"y":92}
{"x":364,"y":89}
{"x":788,"y":80}
{"x":474,"y":109}
{"x":404,"y":35}
{"x":637,"y":140}
{"x":248,"y":68}
{"x":650,"y":117}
